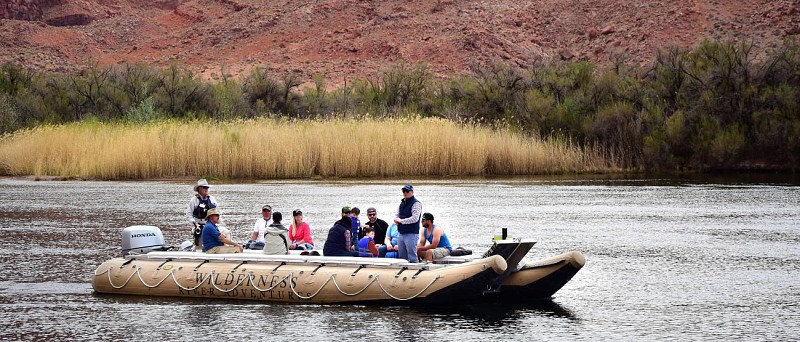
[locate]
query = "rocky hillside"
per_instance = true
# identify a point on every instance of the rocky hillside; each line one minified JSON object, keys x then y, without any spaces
{"x":345,"y":39}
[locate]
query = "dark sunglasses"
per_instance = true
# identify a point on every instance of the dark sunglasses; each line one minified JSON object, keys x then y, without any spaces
{"x":404,"y":190}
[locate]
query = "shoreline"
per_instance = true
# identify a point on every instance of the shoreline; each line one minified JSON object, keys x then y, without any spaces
{"x":671,"y":178}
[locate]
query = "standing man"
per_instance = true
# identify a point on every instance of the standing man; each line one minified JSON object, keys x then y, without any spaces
{"x":378,"y":225}
{"x":198,"y":208}
{"x":215,"y":242}
{"x":407,"y":221}
{"x":438,"y":245}
{"x":259,"y":228}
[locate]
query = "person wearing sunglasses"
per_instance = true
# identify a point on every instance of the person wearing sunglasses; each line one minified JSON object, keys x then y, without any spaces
{"x":378,"y":225}
{"x":407,"y":220}
{"x":300,"y":233}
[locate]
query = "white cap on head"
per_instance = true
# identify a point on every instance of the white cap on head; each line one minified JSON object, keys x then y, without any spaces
{"x":202,"y":183}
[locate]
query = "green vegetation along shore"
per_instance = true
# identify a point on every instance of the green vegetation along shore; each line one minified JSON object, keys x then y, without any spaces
{"x":714,"y":107}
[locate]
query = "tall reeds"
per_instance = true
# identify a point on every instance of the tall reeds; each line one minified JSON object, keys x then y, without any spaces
{"x":282,"y":148}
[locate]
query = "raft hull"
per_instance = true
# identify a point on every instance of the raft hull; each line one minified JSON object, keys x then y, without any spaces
{"x":541,"y":279}
{"x":297,"y":279}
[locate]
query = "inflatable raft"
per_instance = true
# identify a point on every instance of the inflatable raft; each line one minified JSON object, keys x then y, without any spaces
{"x":148,"y":271}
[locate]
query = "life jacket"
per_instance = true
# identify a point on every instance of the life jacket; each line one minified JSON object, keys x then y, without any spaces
{"x":405,"y":212}
{"x":203,"y":206}
{"x":363,"y":247}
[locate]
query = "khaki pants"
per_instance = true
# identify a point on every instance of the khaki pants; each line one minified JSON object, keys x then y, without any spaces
{"x":223,"y":250}
{"x":440,"y":252}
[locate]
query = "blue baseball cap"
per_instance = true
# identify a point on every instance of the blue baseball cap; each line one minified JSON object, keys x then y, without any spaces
{"x":408,"y":187}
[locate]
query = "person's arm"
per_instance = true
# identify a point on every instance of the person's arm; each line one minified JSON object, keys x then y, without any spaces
{"x":415,"y":212}
{"x":190,"y":211}
{"x":347,"y":244}
{"x":421,"y":243}
{"x":437,"y":233}
{"x":213,"y":201}
{"x":388,"y":242}
{"x":226,"y":241}
{"x":254,"y":235}
{"x":373,"y":249}
{"x":301,"y":233}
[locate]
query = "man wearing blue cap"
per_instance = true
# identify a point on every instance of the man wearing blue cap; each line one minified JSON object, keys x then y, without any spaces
{"x":407,"y":221}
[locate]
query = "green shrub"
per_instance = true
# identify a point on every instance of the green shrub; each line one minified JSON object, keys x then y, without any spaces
{"x":713,"y":106}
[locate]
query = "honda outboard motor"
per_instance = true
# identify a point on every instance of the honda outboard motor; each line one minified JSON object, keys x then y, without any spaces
{"x":142,"y":239}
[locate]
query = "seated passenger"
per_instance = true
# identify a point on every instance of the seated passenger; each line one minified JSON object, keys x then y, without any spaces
{"x":389,"y":248}
{"x":275,"y":240}
{"x":338,"y":242}
{"x":300,"y":233}
{"x":379,"y":225}
{"x":215,"y":242}
{"x":257,"y":237}
{"x":366,"y":246}
{"x":438,"y":245}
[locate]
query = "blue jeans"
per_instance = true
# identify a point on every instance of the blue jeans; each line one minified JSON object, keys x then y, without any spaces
{"x":408,"y":247}
{"x":384,"y":254}
{"x":304,"y":247}
{"x":252,"y":244}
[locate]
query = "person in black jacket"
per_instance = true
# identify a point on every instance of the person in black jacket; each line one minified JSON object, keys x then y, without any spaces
{"x":339,"y":239}
{"x":380,"y":226}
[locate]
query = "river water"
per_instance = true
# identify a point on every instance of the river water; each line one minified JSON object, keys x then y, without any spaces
{"x":666,"y":259}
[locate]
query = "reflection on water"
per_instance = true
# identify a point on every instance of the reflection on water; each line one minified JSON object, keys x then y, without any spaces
{"x":692,"y":258}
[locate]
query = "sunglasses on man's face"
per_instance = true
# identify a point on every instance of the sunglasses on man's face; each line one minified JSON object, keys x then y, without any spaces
{"x":404,"y":190}
{"x":370,"y":214}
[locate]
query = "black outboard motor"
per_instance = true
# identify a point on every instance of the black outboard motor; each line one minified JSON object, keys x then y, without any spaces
{"x":511,"y":249}
{"x":141,"y":240}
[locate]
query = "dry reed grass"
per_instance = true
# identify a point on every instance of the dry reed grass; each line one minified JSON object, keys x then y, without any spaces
{"x":268,"y":148}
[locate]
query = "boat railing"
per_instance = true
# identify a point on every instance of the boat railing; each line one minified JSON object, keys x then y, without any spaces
{"x":288,"y":259}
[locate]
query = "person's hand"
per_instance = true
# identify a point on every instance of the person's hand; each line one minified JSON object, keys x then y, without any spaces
{"x":397,"y":220}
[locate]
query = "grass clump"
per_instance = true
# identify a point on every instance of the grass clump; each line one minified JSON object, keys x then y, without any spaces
{"x":285,"y":148}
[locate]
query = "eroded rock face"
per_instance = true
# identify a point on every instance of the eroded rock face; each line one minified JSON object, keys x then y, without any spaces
{"x":343,"y":39}
{"x":76,"y":19}
{"x":31,"y":10}
{"x":51,"y":12}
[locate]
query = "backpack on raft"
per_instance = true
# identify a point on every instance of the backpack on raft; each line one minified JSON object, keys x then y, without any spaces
{"x":459,"y":251}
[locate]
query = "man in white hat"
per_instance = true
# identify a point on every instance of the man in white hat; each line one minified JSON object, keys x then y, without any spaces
{"x":198,"y":208}
{"x":215,"y":242}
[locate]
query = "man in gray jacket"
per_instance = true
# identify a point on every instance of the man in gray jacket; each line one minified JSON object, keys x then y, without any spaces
{"x":276,"y":240}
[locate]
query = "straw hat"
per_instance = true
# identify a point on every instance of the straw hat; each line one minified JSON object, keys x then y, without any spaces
{"x":212,"y":211}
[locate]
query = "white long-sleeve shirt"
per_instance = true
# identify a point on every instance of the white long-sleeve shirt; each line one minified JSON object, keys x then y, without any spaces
{"x":416,"y":210}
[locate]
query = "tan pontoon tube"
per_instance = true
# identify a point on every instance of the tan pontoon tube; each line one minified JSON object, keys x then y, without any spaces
{"x":297,"y":278}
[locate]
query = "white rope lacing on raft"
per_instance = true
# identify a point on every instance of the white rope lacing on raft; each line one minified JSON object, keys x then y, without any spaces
{"x":253,"y":283}
{"x":251,"y":278}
